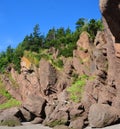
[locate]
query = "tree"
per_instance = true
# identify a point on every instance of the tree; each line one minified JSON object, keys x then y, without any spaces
{"x":9,"y":54}
{"x":93,"y":27}
{"x":68,"y":31}
{"x":36,"y":31}
{"x":60,"y":32}
{"x":51,"y":35}
{"x":80,"y":23}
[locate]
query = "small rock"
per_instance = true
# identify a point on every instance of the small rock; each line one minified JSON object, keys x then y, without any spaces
{"x":37,"y":120}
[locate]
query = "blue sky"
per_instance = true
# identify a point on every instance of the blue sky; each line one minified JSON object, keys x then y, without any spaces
{"x":18,"y":17}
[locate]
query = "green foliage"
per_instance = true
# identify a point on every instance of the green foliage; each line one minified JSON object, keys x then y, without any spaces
{"x":91,"y":26}
{"x":68,"y":50}
{"x":32,"y":57}
{"x":3,"y":91}
{"x":56,"y":123}
{"x":76,"y":89}
{"x":80,"y":23}
{"x":59,"y":63}
{"x":62,"y":39}
{"x":10,"y":103}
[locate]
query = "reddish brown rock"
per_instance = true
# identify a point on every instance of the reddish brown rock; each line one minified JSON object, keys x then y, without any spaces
{"x":48,"y":110}
{"x":80,"y":67}
{"x":77,"y":123}
{"x":84,"y":41}
{"x":117,"y":49}
{"x":101,"y":115}
{"x":37,"y":120}
{"x":13,"y":115}
{"x":63,"y":81}
{"x":75,"y":110}
{"x":59,"y":116}
{"x":48,"y":76}
{"x":35,"y":105}
{"x":110,"y":10}
{"x":26,"y":114}
{"x":2,"y":99}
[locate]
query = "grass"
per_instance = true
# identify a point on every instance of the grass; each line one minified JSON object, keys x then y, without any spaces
{"x":10,"y":122}
{"x":76,"y":89}
{"x":56,"y":122}
{"x":3,"y":91}
{"x":58,"y":63}
{"x":10,"y":103}
{"x":35,"y":58}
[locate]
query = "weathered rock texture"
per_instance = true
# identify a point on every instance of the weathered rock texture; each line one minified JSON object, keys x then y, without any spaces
{"x":105,"y":88}
{"x":101,"y":115}
{"x":43,"y":90}
{"x":110,"y":10}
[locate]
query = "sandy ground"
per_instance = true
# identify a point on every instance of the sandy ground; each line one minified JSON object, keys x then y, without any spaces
{"x":38,"y":126}
{"x":26,"y":126}
{"x":109,"y":127}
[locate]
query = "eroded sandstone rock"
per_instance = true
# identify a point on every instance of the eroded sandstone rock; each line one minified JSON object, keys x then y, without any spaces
{"x":35,"y":105}
{"x":101,"y":115}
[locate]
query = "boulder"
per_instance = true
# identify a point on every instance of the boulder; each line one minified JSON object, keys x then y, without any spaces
{"x":35,"y":105}
{"x":26,"y":114}
{"x":59,"y":116}
{"x":75,"y":110}
{"x":101,"y":115}
{"x":10,"y":117}
{"x":77,"y":123}
{"x":37,"y":120}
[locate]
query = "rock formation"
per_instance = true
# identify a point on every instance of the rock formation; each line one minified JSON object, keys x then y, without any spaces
{"x":43,"y":90}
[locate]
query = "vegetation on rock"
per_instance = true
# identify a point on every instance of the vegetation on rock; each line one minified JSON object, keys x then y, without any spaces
{"x":34,"y":45}
{"x":10,"y":103}
{"x":76,"y":89}
{"x":10,"y":122}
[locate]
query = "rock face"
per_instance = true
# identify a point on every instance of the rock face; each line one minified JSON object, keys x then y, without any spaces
{"x":48,"y":77}
{"x":43,"y":90}
{"x":110,"y":10}
{"x":81,"y":56}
